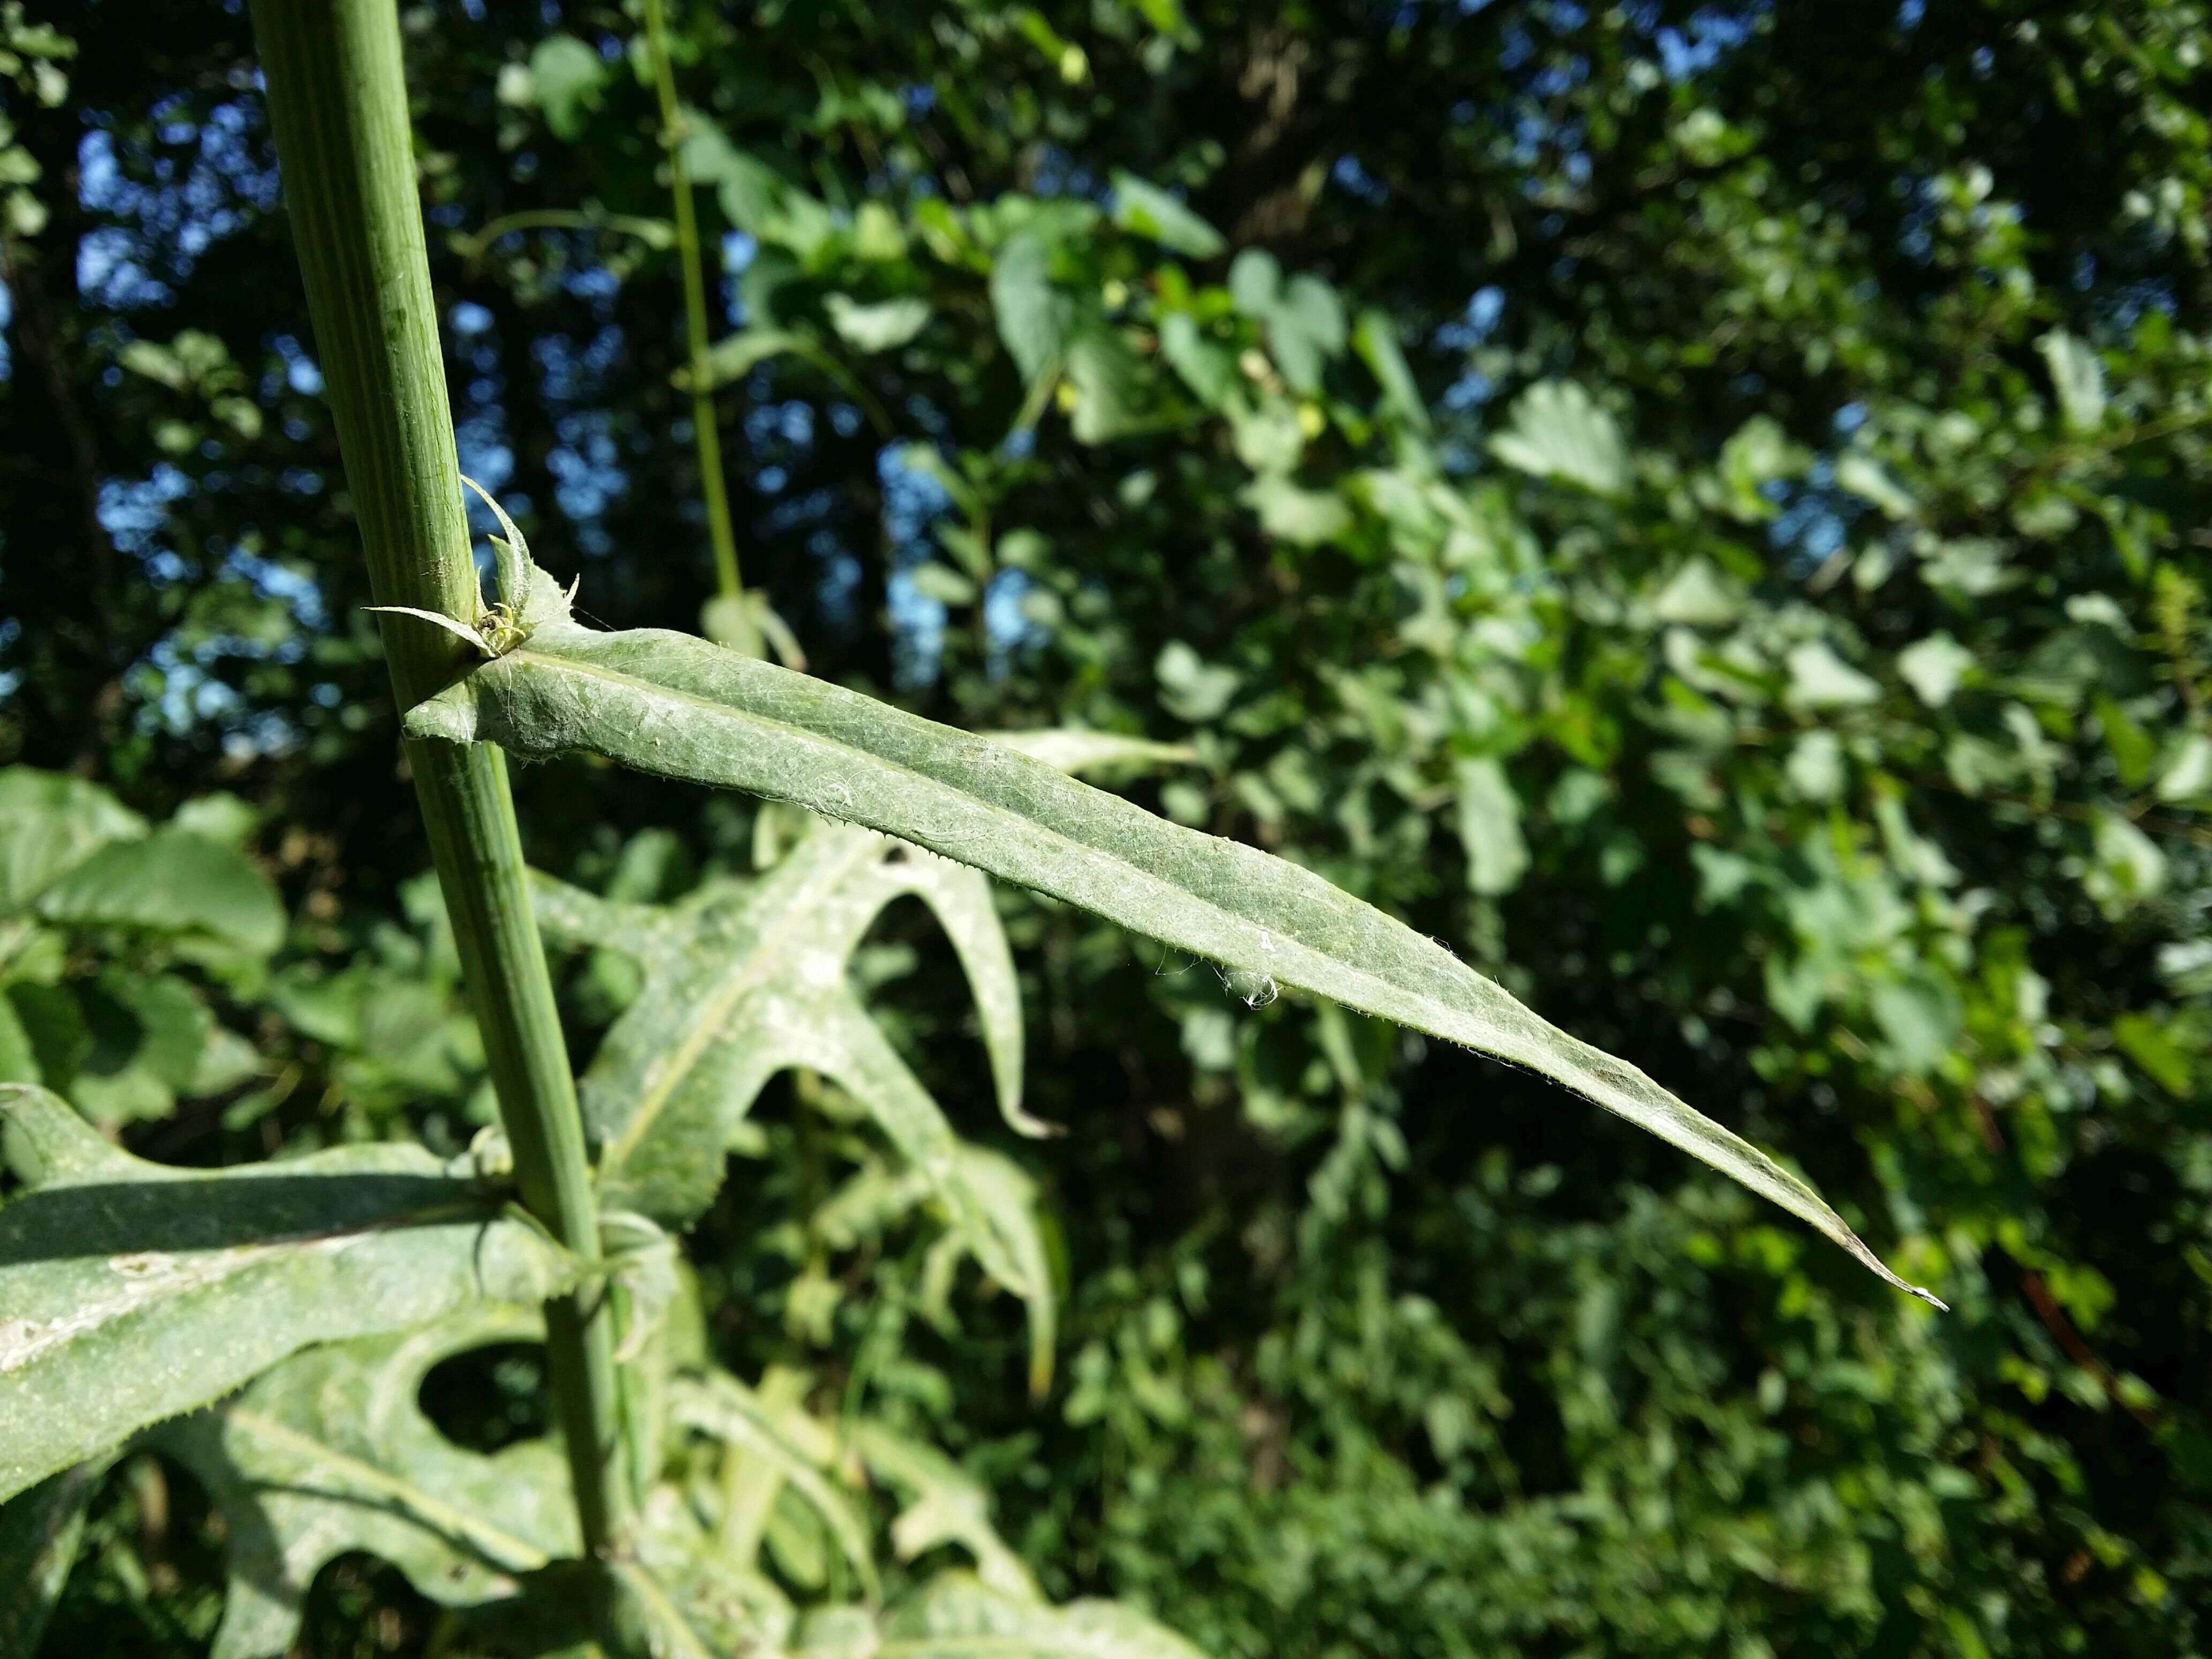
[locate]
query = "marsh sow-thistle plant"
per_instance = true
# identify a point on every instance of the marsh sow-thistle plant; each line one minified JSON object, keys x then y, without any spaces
{"x":269,"y":1326}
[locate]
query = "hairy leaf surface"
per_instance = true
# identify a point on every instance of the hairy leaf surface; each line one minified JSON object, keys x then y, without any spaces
{"x":130,"y":1292}
{"x":675,"y":705}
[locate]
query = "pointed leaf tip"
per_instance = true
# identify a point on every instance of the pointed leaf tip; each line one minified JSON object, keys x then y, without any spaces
{"x":459,"y":630}
{"x":512,"y":554}
{"x":677,"y":707}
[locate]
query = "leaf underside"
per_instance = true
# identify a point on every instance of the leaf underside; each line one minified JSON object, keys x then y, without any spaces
{"x":131,"y":1292}
{"x":677,"y":707}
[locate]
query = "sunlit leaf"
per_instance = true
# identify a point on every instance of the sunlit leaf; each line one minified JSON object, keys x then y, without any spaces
{"x":1557,"y":430}
{"x":741,"y":985}
{"x":568,"y":77}
{"x":49,"y":821}
{"x":2077,"y":377}
{"x":1152,"y":212}
{"x":718,"y":1405}
{"x":1108,"y":383}
{"x":1032,"y":317}
{"x":996,"y":1222}
{"x":1068,"y":748}
{"x":1206,"y":366}
{"x":1304,"y":316}
{"x":943,"y":1505}
{"x":1490,"y":825}
{"x":1934,"y":666}
{"x":130,"y":1292}
{"x":1818,"y":678}
{"x":678,"y":707}
{"x":879,"y":327}
{"x":170,"y":882}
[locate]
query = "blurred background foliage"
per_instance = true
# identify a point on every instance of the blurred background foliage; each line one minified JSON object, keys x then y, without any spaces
{"x":1702,"y":508}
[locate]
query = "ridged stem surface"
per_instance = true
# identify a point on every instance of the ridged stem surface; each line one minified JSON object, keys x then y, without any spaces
{"x":337,"y":99}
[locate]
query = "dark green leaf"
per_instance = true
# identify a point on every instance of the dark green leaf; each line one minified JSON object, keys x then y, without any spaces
{"x":38,"y":1534}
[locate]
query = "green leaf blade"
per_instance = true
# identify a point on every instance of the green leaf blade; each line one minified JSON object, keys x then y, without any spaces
{"x":39,"y":1531}
{"x":131,"y":1292}
{"x":332,"y":1452}
{"x":50,"y":823}
{"x":674,"y":706}
{"x":172,"y":882}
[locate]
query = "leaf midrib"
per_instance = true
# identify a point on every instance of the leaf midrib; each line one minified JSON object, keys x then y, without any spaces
{"x":525,"y":1556}
{"x":713,"y":1011}
{"x":200,"y":1273}
{"x":564,"y":665}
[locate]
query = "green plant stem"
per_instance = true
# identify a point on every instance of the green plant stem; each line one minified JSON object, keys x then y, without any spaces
{"x":337,"y":99}
{"x":705,"y":431}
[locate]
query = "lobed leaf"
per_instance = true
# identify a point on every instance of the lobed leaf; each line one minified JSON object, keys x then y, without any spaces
{"x":691,"y":1601}
{"x":943,"y":1505}
{"x":677,"y":707}
{"x":739,"y":985}
{"x":1000,"y":1195}
{"x":131,"y":1292}
{"x":330,"y":1452}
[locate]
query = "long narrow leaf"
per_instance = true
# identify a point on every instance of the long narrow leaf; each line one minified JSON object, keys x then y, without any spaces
{"x":677,"y":707}
{"x":130,"y":1292}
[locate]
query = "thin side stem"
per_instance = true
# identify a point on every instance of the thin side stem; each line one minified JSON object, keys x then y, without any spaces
{"x":705,"y":431}
{"x":337,"y":99}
